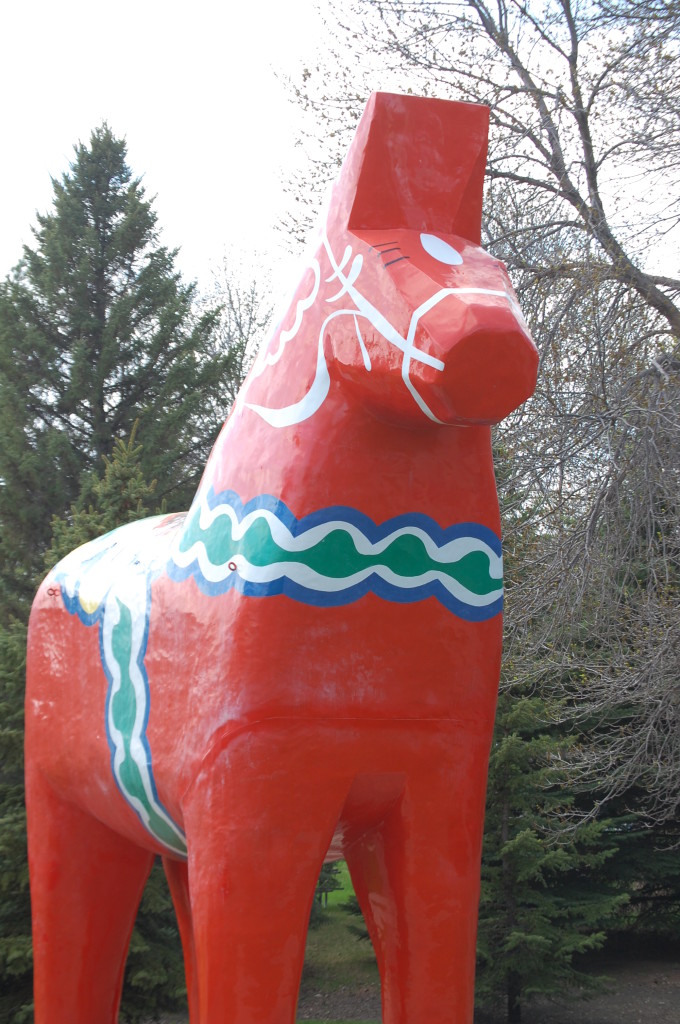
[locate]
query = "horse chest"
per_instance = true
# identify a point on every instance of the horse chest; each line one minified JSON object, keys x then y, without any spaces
{"x":239,"y":659}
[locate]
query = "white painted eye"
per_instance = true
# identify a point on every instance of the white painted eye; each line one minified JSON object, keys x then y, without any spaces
{"x":440,"y":250}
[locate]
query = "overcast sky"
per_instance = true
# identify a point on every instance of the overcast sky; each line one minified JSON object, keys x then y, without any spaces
{"x":193,"y":89}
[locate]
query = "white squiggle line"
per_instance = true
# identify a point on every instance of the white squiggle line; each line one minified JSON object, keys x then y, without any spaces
{"x":111,"y":619}
{"x":304,"y":576}
{"x":312,"y":401}
{"x":301,"y":308}
{"x":354,"y":271}
{"x":299,"y":411}
{"x":415,"y":320}
{"x":453,"y":551}
{"x":308,"y":405}
{"x":376,"y":318}
{"x":463,"y":546}
{"x":407,"y":345}
{"x":266,"y":359}
{"x":343,"y":262}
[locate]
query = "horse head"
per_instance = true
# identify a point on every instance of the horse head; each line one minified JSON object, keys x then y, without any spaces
{"x":399,"y":304}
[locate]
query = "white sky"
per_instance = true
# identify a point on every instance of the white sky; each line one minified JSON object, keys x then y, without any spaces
{"x":191,"y":87}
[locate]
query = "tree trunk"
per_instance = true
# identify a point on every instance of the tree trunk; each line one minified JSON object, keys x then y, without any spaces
{"x":514,"y":998}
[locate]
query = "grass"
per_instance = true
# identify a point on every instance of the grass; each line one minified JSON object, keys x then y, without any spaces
{"x":334,"y":956}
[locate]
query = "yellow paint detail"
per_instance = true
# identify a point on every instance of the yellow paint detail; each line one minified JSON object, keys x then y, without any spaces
{"x":89,"y":604}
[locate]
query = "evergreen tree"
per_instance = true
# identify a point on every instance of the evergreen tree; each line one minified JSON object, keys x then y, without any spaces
{"x":15,"y":910}
{"x":646,"y":865}
{"x":154,"y":973}
{"x":120,"y":496}
{"x":328,"y":881}
{"x":97,"y":330}
{"x":545,"y":899}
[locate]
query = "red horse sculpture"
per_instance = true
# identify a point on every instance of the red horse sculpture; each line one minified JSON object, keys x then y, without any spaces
{"x":305,"y":665}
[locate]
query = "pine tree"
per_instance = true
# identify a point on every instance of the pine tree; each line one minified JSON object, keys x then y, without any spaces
{"x":15,"y":909}
{"x":646,"y":865}
{"x":97,"y":330}
{"x":154,"y":973}
{"x":545,"y":898}
{"x":121,"y":495}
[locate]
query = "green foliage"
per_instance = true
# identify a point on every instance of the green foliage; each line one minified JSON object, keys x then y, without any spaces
{"x":646,"y":865}
{"x":328,"y":881}
{"x":15,"y":911}
{"x":352,"y":908}
{"x":546,"y":899}
{"x":120,"y":496}
{"x":97,"y":331}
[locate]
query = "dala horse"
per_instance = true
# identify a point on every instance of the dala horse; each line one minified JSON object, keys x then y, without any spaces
{"x":305,"y":665}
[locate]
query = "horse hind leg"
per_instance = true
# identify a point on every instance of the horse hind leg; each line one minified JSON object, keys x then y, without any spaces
{"x":257,"y":837}
{"x":86,"y":884}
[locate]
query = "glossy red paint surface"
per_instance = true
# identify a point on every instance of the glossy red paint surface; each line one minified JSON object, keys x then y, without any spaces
{"x":306,"y":665}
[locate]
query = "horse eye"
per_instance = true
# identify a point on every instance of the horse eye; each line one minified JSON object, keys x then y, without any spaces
{"x":440,"y":250}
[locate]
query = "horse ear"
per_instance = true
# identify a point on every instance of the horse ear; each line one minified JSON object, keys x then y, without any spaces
{"x":416,"y":163}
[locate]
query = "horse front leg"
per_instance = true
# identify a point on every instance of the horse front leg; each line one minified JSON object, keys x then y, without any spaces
{"x":417,"y":878}
{"x":259,"y":821}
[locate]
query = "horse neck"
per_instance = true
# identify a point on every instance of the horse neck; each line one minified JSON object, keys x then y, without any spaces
{"x":345,"y":455}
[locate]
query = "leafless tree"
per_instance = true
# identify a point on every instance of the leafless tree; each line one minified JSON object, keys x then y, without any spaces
{"x":242,"y":298}
{"x":585,"y":110}
{"x":583,"y":205}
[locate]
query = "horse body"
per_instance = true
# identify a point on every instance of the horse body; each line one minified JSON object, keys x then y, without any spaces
{"x":306,"y":664}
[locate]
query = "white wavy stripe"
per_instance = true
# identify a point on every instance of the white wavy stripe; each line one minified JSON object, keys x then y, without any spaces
{"x":137,"y":750}
{"x":452,"y":551}
{"x":300,"y":309}
{"x":304,"y":576}
{"x":435,"y":299}
{"x":111,"y":619}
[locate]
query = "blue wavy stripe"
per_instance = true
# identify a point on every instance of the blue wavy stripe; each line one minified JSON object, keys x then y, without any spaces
{"x":374,"y":534}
